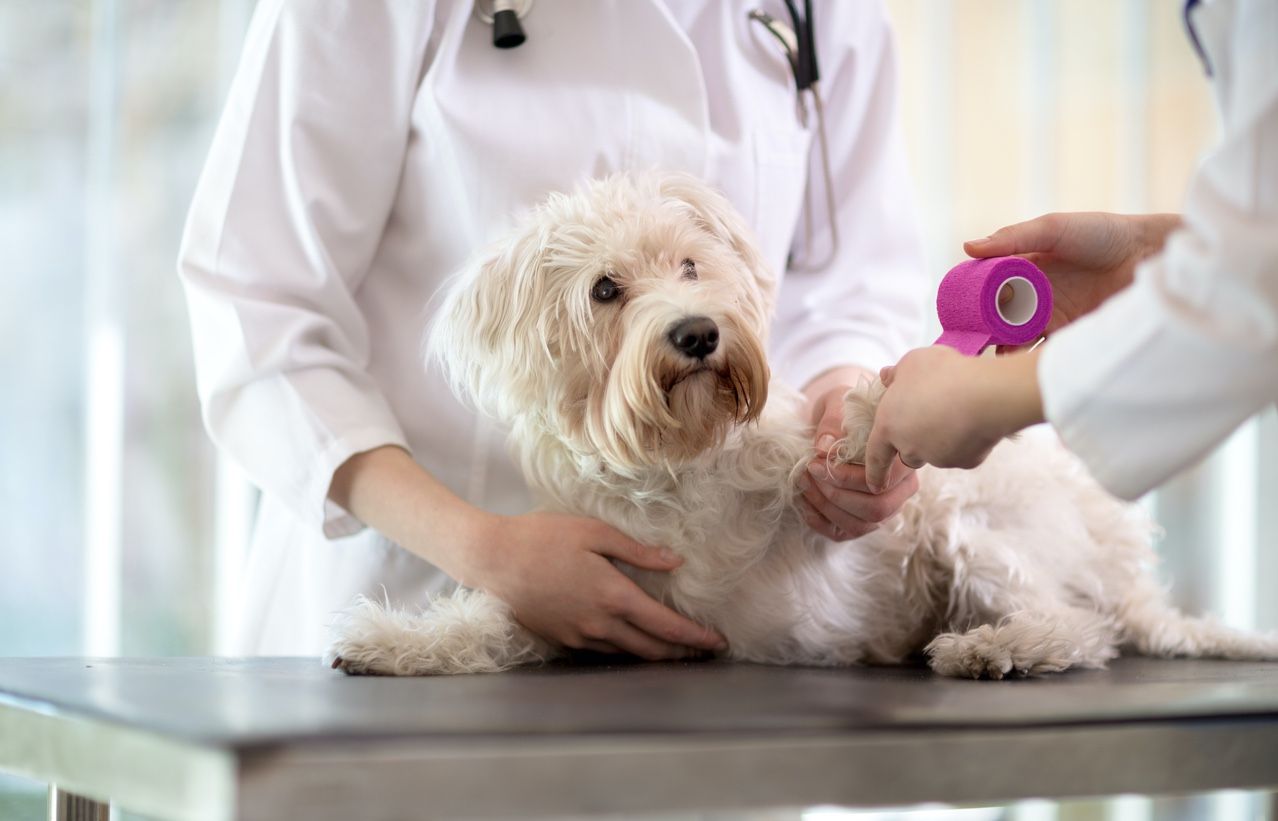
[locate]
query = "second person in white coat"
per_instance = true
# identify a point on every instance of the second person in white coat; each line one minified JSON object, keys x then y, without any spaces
{"x":1165,"y":335}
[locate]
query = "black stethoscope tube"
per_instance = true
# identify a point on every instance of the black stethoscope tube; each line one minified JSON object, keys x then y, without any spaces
{"x":1193,"y":35}
{"x":805,"y":70}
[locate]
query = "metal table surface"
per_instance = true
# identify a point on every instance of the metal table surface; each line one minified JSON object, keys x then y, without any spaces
{"x":207,"y":738}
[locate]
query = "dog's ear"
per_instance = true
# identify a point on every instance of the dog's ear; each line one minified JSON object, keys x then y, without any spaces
{"x":719,"y":217}
{"x":488,"y":333}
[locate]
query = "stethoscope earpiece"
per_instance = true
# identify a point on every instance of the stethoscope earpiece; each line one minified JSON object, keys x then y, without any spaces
{"x":507,"y":33}
{"x":504,"y":17}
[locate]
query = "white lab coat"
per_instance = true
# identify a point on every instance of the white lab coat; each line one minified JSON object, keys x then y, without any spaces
{"x":1165,"y":370}
{"x":369,"y":146}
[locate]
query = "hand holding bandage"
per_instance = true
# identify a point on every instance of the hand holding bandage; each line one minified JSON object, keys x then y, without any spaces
{"x":949,"y":410}
{"x":1088,"y":256}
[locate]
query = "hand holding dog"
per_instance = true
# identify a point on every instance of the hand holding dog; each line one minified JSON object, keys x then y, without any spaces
{"x":554,"y":571}
{"x":945,"y":409}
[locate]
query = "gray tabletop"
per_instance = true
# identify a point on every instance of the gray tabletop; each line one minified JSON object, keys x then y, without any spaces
{"x":1195,"y":725}
{"x":243,"y":702}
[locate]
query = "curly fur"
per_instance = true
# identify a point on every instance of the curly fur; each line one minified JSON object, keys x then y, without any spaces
{"x":1022,"y":566}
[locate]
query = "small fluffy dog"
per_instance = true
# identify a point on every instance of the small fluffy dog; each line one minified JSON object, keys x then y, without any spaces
{"x":620,"y":333}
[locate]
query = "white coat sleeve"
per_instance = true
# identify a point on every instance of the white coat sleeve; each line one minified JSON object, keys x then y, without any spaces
{"x":286,"y":218}
{"x":1165,"y":370}
{"x":865,"y":307}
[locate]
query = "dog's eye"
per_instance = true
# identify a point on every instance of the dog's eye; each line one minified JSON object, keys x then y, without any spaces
{"x":689,"y":269}
{"x":605,"y":290}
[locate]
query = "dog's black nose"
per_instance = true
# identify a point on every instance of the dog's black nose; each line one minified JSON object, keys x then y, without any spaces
{"x":696,"y":336}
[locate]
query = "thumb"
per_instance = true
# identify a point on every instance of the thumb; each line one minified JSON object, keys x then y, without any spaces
{"x":1033,"y":236}
{"x":879,"y":455}
{"x":616,"y":545}
{"x":886,"y":375}
{"x":829,"y":428}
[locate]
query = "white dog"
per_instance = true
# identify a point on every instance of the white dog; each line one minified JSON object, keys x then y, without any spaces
{"x":620,"y":334}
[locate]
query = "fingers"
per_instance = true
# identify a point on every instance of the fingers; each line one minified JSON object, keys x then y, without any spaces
{"x":829,"y":428}
{"x":850,"y":476}
{"x":597,"y":646}
{"x":857,"y":512}
{"x":660,"y":622}
{"x":1005,"y":350}
{"x":879,"y":455}
{"x":1034,"y":236}
{"x":614,"y":544}
{"x":632,"y":640}
{"x":833,"y":521}
{"x":817,"y":522}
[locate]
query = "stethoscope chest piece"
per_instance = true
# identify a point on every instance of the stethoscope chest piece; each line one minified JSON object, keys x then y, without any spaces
{"x":504,"y":17}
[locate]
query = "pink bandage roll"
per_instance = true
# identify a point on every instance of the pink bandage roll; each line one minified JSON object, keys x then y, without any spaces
{"x":968,"y":304}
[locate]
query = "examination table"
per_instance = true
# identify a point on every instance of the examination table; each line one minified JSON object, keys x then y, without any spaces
{"x":285,"y":738}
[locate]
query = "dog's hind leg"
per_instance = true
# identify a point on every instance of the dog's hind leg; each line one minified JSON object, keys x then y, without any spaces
{"x":1028,"y":643}
{"x":465,"y":632}
{"x":1153,"y":627}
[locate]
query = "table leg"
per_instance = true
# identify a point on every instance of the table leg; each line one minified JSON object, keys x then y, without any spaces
{"x":65,"y":806}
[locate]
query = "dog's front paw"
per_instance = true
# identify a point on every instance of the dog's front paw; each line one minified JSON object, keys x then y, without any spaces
{"x":859,"y":406}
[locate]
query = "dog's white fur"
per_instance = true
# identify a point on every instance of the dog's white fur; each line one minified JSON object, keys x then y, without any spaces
{"x":1023,"y":565}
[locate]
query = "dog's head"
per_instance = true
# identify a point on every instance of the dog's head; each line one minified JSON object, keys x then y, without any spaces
{"x":628,"y":320}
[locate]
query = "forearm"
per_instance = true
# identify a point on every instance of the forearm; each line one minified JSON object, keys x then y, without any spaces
{"x":388,"y":491}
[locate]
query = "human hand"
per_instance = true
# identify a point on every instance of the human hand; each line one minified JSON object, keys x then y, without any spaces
{"x":554,"y":571}
{"x":945,"y":409}
{"x":837,"y":501}
{"x":1087,"y":256}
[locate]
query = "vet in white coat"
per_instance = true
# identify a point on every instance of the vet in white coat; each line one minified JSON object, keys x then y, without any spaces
{"x":1169,"y":367}
{"x":369,"y":146}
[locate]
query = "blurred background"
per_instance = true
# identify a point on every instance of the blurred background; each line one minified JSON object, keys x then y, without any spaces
{"x":120,"y":529}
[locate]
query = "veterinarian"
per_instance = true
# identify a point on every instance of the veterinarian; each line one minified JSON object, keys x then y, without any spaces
{"x":1165,"y":334}
{"x":367,"y":148}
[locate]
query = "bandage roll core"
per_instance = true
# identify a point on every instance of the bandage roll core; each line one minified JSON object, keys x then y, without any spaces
{"x":969,"y":308}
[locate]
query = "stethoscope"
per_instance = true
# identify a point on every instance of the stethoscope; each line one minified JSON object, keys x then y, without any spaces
{"x":797,"y":44}
{"x":504,"y":17}
{"x":1192,"y":31}
{"x":799,"y":47}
